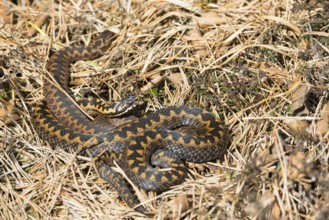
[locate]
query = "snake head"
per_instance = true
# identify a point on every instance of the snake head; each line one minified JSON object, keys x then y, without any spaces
{"x":125,"y":106}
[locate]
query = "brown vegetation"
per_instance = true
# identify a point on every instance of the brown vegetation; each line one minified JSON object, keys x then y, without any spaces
{"x":260,"y":65}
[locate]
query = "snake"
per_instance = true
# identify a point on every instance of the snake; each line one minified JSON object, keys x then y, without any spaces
{"x":166,"y":138}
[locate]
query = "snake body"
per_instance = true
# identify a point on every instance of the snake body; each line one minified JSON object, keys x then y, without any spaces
{"x":165,"y":138}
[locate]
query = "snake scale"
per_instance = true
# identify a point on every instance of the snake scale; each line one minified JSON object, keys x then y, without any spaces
{"x":162,"y":139}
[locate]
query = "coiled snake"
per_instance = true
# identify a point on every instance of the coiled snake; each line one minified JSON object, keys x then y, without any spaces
{"x":165,"y":138}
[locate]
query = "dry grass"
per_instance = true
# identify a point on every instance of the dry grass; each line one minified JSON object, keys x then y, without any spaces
{"x":240,"y":60}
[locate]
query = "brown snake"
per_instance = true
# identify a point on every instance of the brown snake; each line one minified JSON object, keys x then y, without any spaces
{"x":165,"y":138}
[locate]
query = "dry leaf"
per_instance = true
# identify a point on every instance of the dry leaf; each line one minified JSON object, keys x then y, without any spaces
{"x":155,"y":80}
{"x":272,"y":70}
{"x":181,"y":205}
{"x":194,"y":36}
{"x":210,"y":19}
{"x":5,"y":15}
{"x":178,"y":79}
{"x":297,"y":126}
{"x":40,"y":20}
{"x":198,"y":42}
{"x":79,"y":81}
{"x":298,"y":109}
{"x":264,"y":156}
{"x":216,"y":169}
{"x":296,"y":165}
{"x":7,"y":112}
{"x":298,"y":99}
{"x":284,"y":22}
{"x":276,"y":212}
{"x":323,"y":213}
{"x":299,"y":168}
{"x":258,"y":207}
{"x":201,"y":53}
{"x":322,"y":126}
{"x":303,"y":45}
{"x":186,"y":5}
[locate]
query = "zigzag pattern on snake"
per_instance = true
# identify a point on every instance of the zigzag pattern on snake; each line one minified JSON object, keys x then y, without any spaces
{"x":165,"y":138}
